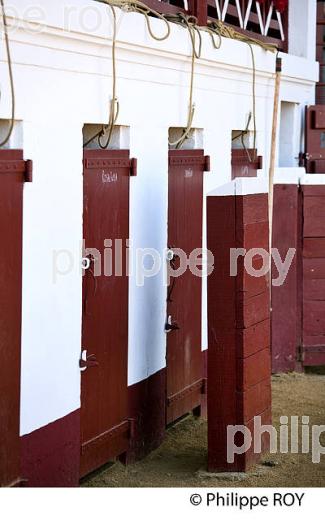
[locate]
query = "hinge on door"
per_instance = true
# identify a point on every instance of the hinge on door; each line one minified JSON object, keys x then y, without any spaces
{"x":300,"y":354}
{"x":259,"y":162}
{"x":134,"y":167}
{"x":207,"y":163}
{"x":28,"y":171}
{"x":131,"y":428}
{"x":303,"y":157}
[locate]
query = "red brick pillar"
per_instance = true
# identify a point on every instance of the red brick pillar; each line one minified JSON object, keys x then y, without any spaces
{"x":286,"y":304}
{"x":238,"y":321}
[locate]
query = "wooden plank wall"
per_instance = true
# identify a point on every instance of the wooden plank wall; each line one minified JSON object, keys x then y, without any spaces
{"x":313,"y":307}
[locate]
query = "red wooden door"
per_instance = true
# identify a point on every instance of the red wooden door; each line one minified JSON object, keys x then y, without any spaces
{"x":12,"y":176}
{"x":104,"y":407}
{"x":313,"y":305}
{"x":314,"y":156}
{"x":185,"y":382}
{"x":245,"y":163}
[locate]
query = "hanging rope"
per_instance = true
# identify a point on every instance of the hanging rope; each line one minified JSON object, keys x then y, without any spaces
{"x":226,"y":31}
{"x":114,"y":104}
{"x":129,"y":6}
{"x":115,"y":107}
{"x":138,"y":7}
{"x":252,"y":159}
{"x":12,"y":85}
{"x":190,"y":22}
{"x":251,"y":115}
{"x":215,"y":29}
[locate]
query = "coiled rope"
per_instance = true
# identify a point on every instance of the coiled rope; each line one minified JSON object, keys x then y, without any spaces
{"x":215,"y":29}
{"x":12,"y":85}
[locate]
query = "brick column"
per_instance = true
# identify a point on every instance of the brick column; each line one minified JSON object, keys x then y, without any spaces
{"x":238,"y":320}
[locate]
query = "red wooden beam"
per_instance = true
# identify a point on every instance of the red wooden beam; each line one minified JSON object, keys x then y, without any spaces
{"x":199,"y":9}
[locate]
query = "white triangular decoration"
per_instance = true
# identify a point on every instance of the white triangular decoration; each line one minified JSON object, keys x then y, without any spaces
{"x":243,"y":18}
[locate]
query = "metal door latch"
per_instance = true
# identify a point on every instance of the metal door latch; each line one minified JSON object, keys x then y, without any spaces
{"x":170,"y":255}
{"x":85,"y":263}
{"x":87,"y":361}
{"x":170,"y":325}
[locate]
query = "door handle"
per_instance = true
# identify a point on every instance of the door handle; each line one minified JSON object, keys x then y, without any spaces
{"x":170,"y":326}
{"x":87,"y":361}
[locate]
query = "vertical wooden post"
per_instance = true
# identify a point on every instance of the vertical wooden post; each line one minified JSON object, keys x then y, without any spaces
{"x":238,"y":323}
{"x":199,"y":9}
{"x":286,"y":317}
{"x":274,"y":140}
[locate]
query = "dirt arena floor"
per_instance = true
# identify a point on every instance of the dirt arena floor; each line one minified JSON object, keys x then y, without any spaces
{"x":181,"y":460}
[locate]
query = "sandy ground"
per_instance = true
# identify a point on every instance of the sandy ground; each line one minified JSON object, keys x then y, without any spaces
{"x":179,"y":461}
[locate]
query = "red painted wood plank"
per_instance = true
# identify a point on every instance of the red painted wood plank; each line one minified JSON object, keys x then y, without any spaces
{"x":251,"y":210}
{"x":314,"y":268}
{"x":285,"y":314}
{"x":314,"y":290}
{"x":252,"y":340}
{"x":314,"y":318}
{"x":312,"y":359}
{"x":314,"y":248}
{"x":252,"y":310}
{"x":255,"y":400}
{"x":221,"y":237}
{"x":252,"y":456}
{"x":249,"y":284}
{"x":254,"y":235}
{"x":314,"y":225}
{"x":313,"y":191}
{"x":313,"y":340}
{"x":253,"y":369}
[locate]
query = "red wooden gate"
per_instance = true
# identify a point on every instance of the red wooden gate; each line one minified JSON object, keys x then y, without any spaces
{"x":13,"y":172}
{"x":105,"y":428}
{"x":185,"y":383}
{"x":313,"y":305}
{"x":313,"y":242}
{"x":314,"y":158}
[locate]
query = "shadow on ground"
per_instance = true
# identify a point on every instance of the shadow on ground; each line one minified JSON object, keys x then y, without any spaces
{"x":179,"y":461}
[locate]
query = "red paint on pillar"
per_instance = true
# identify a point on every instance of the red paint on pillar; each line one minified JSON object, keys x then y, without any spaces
{"x":239,"y":328}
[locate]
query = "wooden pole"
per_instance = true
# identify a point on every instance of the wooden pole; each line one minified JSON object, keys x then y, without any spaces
{"x":273,"y":148}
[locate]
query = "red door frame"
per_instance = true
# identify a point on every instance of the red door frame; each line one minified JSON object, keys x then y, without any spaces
{"x":185,"y":378}
{"x":14,"y":171}
{"x":105,"y":428}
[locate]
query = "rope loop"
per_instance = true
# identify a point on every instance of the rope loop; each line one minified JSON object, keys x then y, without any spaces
{"x":11,"y":78}
{"x":189,"y":22}
{"x":216,"y":29}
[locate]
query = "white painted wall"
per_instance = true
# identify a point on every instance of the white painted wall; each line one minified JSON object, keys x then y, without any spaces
{"x":63,"y":80}
{"x":302,"y":28}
